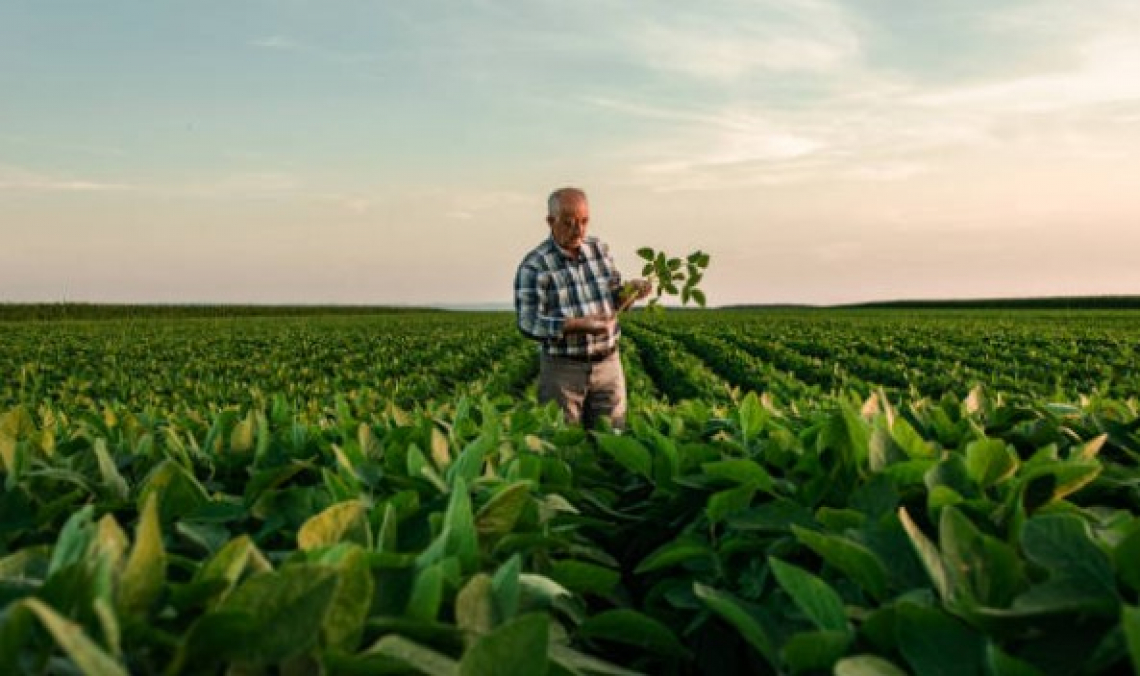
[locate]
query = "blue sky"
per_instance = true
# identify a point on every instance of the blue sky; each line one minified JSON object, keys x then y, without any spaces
{"x":400,"y":152}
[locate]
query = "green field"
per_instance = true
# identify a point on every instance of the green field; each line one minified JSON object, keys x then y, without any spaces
{"x":365,"y":492}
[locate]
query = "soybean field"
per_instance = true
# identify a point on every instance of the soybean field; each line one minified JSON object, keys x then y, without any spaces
{"x":366,"y":492}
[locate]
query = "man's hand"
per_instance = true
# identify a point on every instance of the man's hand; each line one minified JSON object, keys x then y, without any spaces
{"x":592,"y":324}
{"x":644,"y":287}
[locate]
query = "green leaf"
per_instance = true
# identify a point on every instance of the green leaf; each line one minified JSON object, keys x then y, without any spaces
{"x":505,"y":588}
{"x":269,"y":618}
{"x":672,"y":553}
{"x":179,"y":493}
{"x":575,"y":662}
{"x":646,"y":253}
{"x":584,"y":578}
{"x":144,"y":576}
{"x":699,"y":297}
{"x":1125,"y":556}
{"x":226,"y":566}
{"x":727,"y":502}
{"x":343,"y":522}
{"x":427,"y":594}
{"x":343,"y":627}
{"x":990,"y":461}
{"x":85,"y":653}
{"x":74,"y":541}
{"x":814,"y":597}
{"x":910,"y":441}
{"x":999,"y":663}
{"x":517,"y":648}
{"x":628,"y":452}
{"x":633,"y":628}
{"x":738,"y":615}
{"x":751,"y":416}
{"x":747,"y":472}
{"x":928,"y":554}
{"x":1080,"y":574}
{"x":811,"y":650}
{"x":470,"y":462}
{"x":866,"y":665}
{"x":935,"y":643}
{"x":423,"y":660}
{"x":1130,"y":623}
{"x":458,"y":537}
{"x":860,"y":564}
{"x":980,"y":568}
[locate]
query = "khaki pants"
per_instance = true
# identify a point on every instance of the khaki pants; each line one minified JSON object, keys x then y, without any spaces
{"x":584,"y":391}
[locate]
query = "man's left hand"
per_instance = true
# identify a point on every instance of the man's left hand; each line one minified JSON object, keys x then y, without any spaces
{"x":644,"y":288}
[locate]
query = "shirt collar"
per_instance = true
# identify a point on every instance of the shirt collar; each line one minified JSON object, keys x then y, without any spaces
{"x":583,"y":252}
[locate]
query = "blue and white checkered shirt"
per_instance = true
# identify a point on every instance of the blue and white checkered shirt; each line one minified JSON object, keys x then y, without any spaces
{"x":551,"y":286}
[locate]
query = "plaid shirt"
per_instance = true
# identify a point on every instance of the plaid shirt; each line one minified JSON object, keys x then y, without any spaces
{"x":550,"y":286}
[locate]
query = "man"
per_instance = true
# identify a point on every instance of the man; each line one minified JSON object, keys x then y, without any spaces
{"x":566,"y":295}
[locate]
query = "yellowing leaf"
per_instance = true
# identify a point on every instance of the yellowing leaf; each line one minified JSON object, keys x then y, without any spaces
{"x":145,"y":573}
{"x":343,"y":522}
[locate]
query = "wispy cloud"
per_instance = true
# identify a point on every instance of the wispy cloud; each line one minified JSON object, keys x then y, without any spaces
{"x":285,"y":43}
{"x":865,"y":124}
{"x":729,"y":41}
{"x":275,"y":42}
{"x":15,"y":179}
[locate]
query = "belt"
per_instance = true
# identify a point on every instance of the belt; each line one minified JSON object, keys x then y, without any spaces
{"x":585,"y":358}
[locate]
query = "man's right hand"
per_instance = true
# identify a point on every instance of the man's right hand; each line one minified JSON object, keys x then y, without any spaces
{"x":592,"y":324}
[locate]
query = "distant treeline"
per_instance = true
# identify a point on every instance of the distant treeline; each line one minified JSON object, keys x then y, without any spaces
{"x":1050,"y":303}
{"x":87,"y":311}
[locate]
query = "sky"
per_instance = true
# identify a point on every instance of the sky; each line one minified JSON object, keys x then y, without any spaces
{"x":386,"y":152}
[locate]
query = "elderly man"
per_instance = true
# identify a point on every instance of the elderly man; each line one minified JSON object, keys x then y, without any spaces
{"x":566,"y":295}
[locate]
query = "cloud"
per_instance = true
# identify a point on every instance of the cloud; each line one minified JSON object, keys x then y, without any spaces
{"x":726,"y":42}
{"x":275,"y":42}
{"x":15,"y":179}
{"x":863,"y":123}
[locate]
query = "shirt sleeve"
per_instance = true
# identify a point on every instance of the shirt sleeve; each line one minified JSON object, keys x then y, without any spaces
{"x":529,"y":306}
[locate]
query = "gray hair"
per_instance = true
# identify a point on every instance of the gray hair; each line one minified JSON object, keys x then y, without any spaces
{"x":554,"y":202}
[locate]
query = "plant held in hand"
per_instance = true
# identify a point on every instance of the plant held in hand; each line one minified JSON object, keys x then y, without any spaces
{"x":669,"y":276}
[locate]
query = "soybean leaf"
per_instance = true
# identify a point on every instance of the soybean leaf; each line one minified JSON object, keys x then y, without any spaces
{"x":505,"y":587}
{"x":499,"y":515}
{"x":637,"y":629}
{"x":423,"y":660}
{"x":814,"y":597}
{"x":517,"y":648}
{"x":866,"y":665}
{"x":342,"y":522}
{"x":269,"y":618}
{"x":990,"y":461}
{"x":427,"y":594}
{"x":815,"y":650}
{"x":585,"y":578}
{"x":628,"y":452}
{"x":85,"y":653}
{"x":474,"y":606}
{"x":1130,"y":623}
{"x":672,"y":553}
{"x":860,"y":564}
{"x":738,"y":615}
{"x":935,"y":643}
{"x":344,"y":621}
{"x":144,"y":576}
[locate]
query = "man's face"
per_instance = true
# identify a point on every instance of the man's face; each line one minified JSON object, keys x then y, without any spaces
{"x":569,"y":226}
